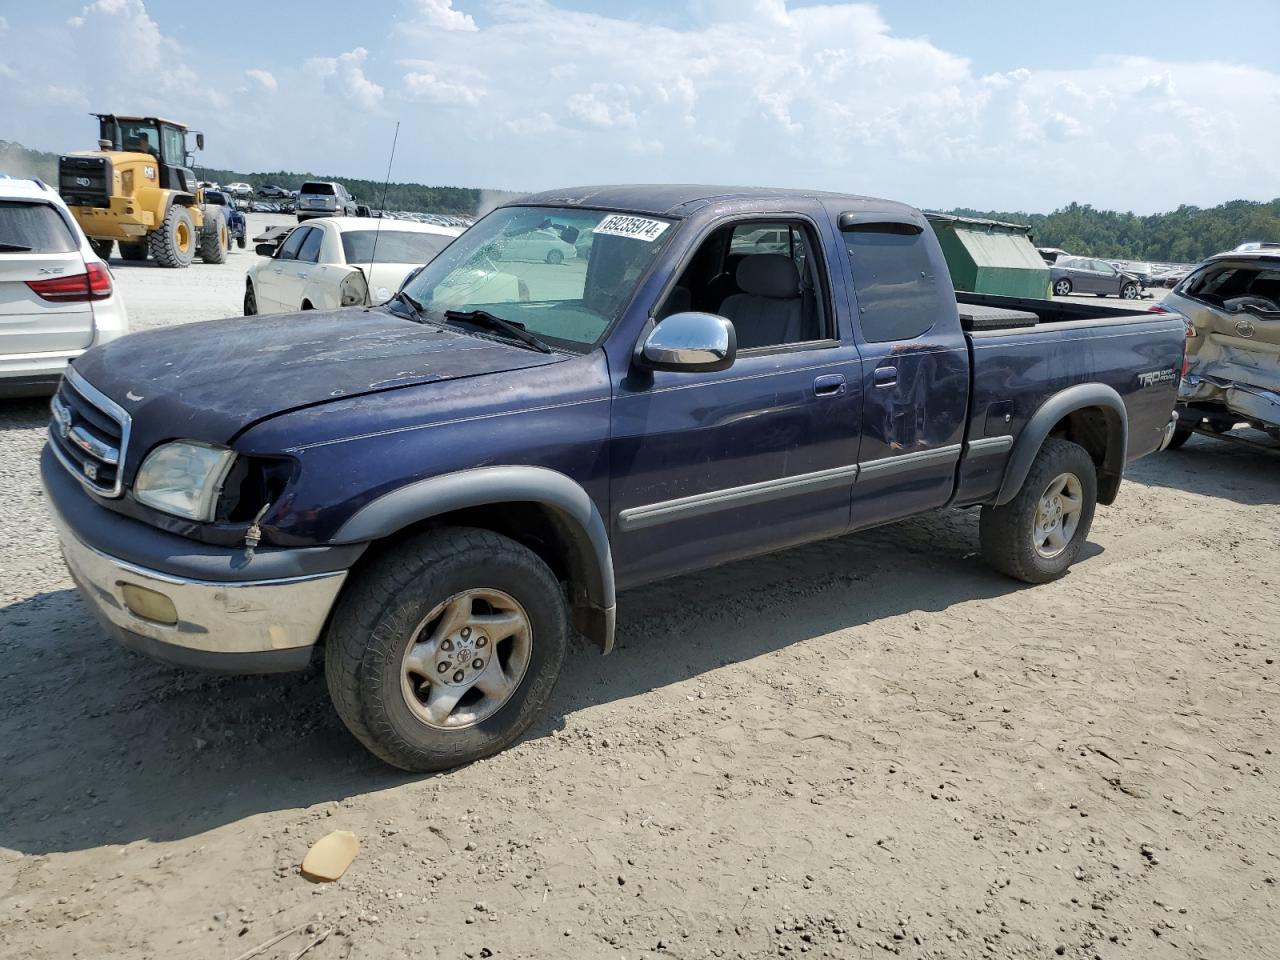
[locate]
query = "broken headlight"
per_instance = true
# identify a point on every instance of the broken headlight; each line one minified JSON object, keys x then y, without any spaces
{"x":183,"y":478}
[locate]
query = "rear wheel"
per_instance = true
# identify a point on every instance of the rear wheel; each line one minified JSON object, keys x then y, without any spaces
{"x":1037,"y":535}
{"x":102,"y":247}
{"x":446,"y":648}
{"x":554,"y":256}
{"x":1063,"y":287}
{"x":1180,"y":436}
{"x":214,"y":239}
{"x":134,"y":252}
{"x":174,"y":243}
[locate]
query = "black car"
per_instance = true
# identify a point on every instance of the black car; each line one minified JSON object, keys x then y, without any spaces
{"x":273,"y":191}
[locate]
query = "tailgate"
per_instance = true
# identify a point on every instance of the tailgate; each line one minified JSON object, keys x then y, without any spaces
{"x":37,"y":244}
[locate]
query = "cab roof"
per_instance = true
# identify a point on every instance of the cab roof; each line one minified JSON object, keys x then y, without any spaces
{"x":680,"y":200}
{"x":123,"y":116}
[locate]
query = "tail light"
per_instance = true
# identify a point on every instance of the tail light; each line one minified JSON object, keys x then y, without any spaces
{"x":93,"y":284}
{"x":1191,"y":332}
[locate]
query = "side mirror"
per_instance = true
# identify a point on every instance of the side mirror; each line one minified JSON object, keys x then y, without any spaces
{"x":199,"y":141}
{"x":265,"y":249}
{"x":690,"y":342}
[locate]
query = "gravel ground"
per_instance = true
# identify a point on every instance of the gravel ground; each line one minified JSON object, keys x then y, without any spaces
{"x":862,"y":747}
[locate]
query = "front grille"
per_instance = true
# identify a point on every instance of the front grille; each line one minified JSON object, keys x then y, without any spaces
{"x":90,"y":435}
{"x":85,"y":181}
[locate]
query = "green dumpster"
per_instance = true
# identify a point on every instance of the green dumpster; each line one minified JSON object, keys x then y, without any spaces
{"x":987,"y":256}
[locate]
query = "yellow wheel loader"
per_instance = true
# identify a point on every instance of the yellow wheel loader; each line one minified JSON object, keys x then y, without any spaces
{"x":137,"y":189}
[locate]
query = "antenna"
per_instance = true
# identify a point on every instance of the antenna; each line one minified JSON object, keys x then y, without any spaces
{"x":382,"y":212}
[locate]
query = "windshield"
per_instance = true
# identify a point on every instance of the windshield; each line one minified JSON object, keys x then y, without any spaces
{"x":563,"y":274}
{"x":393,"y":246}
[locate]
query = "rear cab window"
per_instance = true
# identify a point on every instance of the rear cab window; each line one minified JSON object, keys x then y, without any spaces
{"x":34,"y":227}
{"x":900,"y":297}
{"x":318,"y":189}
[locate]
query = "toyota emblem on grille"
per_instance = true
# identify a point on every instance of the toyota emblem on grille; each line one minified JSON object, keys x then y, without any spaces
{"x":1245,"y":328}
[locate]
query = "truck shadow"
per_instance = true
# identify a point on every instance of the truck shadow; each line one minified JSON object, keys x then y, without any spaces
{"x":103,"y":747}
{"x":1214,"y":468}
{"x":23,"y":413}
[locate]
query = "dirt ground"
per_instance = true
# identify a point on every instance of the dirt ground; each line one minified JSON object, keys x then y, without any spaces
{"x":858,"y":748}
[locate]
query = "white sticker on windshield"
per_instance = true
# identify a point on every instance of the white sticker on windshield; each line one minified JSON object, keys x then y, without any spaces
{"x":638,"y":228}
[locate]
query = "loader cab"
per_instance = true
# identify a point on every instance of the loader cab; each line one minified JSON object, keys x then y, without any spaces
{"x":163,"y":139}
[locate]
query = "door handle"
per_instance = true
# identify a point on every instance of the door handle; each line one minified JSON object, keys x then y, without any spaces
{"x":885,"y":376}
{"x":829,"y":385}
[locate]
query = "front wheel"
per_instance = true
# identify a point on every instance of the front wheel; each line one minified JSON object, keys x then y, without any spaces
{"x":444,"y":650}
{"x":250,"y":300}
{"x":1037,"y":535}
{"x":555,"y":256}
{"x":1062,"y":288}
{"x":1129,"y":291}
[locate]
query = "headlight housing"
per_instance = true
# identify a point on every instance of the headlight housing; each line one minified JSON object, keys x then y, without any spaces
{"x":183,"y":478}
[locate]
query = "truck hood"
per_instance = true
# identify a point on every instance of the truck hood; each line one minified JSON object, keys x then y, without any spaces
{"x":208,"y":381}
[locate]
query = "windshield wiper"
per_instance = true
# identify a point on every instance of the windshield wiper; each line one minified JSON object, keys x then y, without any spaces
{"x":483,"y":318}
{"x":414,"y":306}
{"x":14,"y":247}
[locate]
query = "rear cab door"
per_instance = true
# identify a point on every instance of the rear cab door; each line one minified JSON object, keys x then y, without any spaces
{"x":915,"y":365}
{"x":713,"y":466}
{"x":39,"y":246}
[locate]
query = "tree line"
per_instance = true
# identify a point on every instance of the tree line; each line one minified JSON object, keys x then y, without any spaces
{"x":20,"y":161}
{"x":1185,"y":235}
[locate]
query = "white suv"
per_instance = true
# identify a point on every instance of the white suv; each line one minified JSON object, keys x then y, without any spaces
{"x":57,"y":297}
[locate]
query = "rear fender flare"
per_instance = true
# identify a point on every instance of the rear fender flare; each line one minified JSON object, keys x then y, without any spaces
{"x":572,"y":506}
{"x":1080,"y":397}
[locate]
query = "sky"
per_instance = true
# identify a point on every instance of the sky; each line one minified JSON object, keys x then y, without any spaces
{"x":996,"y":105}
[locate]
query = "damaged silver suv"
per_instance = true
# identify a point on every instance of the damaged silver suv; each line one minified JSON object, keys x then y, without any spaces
{"x":1231,"y":304}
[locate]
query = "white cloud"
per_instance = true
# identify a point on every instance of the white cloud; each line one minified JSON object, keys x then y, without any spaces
{"x":264,"y":79}
{"x":441,"y":15}
{"x":752,"y":91}
{"x":344,"y":76}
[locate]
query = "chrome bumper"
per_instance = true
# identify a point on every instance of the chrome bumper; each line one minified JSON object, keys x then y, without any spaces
{"x":276,"y":621}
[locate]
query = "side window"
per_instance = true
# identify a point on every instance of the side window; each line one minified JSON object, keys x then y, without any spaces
{"x":759,"y":276}
{"x":293,"y":243}
{"x":309,"y":252}
{"x":899,"y":295}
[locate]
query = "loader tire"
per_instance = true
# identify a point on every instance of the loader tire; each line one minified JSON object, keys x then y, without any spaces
{"x":173,"y":243}
{"x":102,"y":248}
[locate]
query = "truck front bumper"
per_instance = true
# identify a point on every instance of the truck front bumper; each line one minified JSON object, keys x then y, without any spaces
{"x":210,"y":609}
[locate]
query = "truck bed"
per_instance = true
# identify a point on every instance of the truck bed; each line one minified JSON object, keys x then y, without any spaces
{"x":981,"y":312}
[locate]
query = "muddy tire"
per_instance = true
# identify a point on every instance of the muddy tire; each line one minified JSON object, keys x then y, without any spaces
{"x":214,"y":238}
{"x":174,"y":243}
{"x":444,"y":649}
{"x":103,"y":248}
{"x":133,"y":252}
{"x":250,"y":300}
{"x":1037,"y":535}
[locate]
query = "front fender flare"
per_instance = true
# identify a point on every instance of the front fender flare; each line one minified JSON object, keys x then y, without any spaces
{"x":1080,"y":397}
{"x":478,"y":487}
